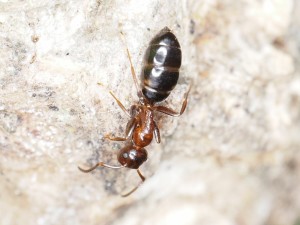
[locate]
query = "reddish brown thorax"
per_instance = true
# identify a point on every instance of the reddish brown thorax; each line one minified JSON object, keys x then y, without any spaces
{"x":143,"y":133}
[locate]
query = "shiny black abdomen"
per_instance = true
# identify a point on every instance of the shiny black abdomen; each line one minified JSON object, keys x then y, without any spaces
{"x":161,"y":66}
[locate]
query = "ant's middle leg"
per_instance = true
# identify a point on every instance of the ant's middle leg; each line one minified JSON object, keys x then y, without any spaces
{"x":129,"y":130}
{"x":112,"y":138}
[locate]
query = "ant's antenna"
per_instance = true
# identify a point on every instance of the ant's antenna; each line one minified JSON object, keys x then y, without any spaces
{"x":99,"y":164}
{"x":134,"y":189}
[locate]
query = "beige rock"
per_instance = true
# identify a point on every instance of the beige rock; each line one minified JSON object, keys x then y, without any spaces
{"x":231,"y":159}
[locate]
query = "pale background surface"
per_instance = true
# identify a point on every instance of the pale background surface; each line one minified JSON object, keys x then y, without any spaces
{"x":231,"y":159}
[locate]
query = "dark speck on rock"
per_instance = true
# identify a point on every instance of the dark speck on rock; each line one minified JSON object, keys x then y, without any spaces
{"x":53,"y":107}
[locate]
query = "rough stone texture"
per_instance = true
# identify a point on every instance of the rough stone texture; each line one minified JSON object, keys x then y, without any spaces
{"x":231,"y":159}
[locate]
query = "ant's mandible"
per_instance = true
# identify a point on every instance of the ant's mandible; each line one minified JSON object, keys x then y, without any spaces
{"x":159,"y":76}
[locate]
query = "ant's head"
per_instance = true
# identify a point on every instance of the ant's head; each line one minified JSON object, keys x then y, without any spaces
{"x":132,"y":157}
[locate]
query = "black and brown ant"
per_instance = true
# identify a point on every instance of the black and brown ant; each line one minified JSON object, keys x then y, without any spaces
{"x":159,"y":76}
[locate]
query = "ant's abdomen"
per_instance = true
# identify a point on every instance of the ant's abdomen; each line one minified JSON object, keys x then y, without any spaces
{"x":161,"y":66}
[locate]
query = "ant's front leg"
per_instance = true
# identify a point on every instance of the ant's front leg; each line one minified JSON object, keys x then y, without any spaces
{"x":129,"y":130}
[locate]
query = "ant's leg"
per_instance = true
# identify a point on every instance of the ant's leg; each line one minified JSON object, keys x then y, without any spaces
{"x":131,"y":125}
{"x":139,"y":93}
{"x":171,"y":112}
{"x":118,"y":102}
{"x":134,"y":189}
{"x":156,"y":133}
{"x":112,"y":138}
{"x":129,"y":130}
{"x":99,"y":164}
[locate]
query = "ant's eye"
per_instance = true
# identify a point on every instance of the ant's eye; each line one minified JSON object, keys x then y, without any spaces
{"x":125,"y":155}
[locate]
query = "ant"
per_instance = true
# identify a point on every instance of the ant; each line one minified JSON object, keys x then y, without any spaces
{"x":159,"y":76}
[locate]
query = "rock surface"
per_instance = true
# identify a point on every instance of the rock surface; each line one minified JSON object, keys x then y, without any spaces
{"x":232,"y":158}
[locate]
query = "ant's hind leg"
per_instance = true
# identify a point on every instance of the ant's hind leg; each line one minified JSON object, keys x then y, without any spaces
{"x":134,"y":189}
{"x":156,"y":133}
{"x":170,"y":111}
{"x":117,"y":100}
{"x":99,"y":164}
{"x":120,"y":104}
{"x":139,"y":93}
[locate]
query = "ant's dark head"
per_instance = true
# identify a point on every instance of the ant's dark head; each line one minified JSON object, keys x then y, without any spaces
{"x":131,"y":157}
